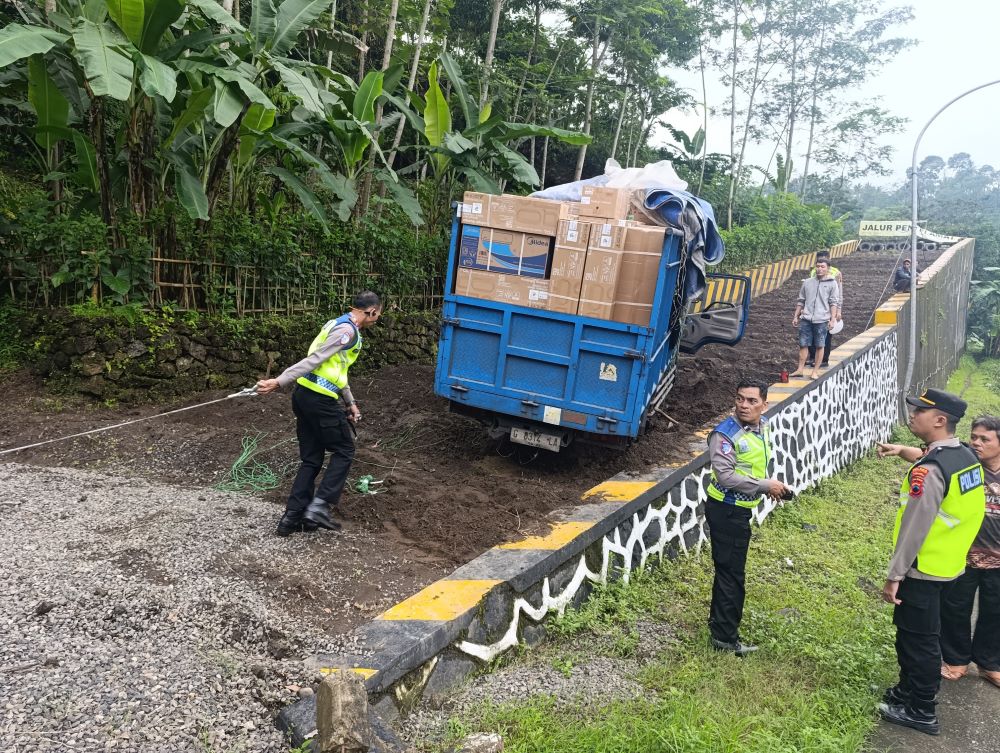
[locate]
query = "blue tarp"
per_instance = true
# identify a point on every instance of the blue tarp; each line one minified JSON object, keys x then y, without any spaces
{"x":671,"y":206}
{"x":696,"y":218}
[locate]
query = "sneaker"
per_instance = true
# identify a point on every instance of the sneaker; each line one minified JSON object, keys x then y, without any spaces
{"x":907,"y":717}
{"x":738,"y":647}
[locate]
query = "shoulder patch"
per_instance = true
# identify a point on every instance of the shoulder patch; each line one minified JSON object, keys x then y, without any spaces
{"x":726,"y":447}
{"x":346,"y":338}
{"x":917,"y":476}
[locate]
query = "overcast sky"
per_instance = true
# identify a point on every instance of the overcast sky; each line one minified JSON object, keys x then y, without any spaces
{"x":959,"y":47}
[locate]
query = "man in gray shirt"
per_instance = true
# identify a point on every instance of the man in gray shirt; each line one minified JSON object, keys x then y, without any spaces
{"x":816,"y":313}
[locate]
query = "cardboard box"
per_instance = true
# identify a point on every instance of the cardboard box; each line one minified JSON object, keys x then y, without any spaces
{"x":619,"y":280}
{"x":568,"y":261}
{"x":490,"y":286}
{"x":645,"y":238}
{"x":600,"y":279}
{"x":637,"y":275}
{"x":569,"y":210}
{"x":504,"y":251}
{"x":506,"y":212}
{"x":609,"y":235}
{"x":573,"y":234}
{"x":632,"y":313}
{"x":606,"y":203}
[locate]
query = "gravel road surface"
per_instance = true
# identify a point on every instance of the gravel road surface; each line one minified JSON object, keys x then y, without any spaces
{"x":128,"y":620}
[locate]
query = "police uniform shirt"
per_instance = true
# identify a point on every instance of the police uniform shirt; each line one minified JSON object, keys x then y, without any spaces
{"x":927,"y":492}
{"x":722,"y":456}
{"x":340,"y":337}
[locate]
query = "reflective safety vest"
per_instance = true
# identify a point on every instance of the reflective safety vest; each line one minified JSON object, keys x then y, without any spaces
{"x":753,"y":453}
{"x":962,"y":511}
{"x":330,"y":377}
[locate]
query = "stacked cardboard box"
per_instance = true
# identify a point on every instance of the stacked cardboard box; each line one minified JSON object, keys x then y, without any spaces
{"x":619,"y":281}
{"x":583,"y":258}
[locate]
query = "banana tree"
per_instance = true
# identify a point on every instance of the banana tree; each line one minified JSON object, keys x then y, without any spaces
{"x":347,"y":132}
{"x":192,"y":80}
{"x":479,"y":154}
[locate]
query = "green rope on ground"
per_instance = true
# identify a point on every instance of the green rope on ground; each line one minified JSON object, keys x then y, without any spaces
{"x":248,"y":474}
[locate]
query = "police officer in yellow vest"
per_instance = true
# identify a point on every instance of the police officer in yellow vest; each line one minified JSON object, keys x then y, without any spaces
{"x":942,"y":503}
{"x":741,"y":457}
{"x":324,"y":411}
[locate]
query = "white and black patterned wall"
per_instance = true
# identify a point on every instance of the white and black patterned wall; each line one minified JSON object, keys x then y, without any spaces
{"x":815,"y":434}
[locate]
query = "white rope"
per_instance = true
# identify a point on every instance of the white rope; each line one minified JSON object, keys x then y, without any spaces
{"x":247,"y":392}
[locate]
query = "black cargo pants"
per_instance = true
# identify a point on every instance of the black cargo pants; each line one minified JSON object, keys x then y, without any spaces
{"x":322,"y":427}
{"x":729,"y":530}
{"x":918,"y":629}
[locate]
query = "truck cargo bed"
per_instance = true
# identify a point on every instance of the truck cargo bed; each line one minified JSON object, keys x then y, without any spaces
{"x":534,"y":367}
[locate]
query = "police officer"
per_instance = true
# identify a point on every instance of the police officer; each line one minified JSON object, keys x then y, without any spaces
{"x":942,"y":505}
{"x":740,"y":453}
{"x":325,"y":411}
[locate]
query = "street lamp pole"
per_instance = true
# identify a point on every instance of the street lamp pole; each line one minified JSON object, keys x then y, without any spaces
{"x":912,"y":355}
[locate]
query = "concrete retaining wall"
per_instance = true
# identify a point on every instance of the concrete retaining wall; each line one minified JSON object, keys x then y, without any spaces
{"x":942,"y":311}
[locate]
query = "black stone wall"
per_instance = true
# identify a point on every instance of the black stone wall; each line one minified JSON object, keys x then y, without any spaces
{"x":166,"y":354}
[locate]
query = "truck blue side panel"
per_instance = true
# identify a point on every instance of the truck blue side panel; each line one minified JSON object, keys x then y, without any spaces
{"x":577,"y":372}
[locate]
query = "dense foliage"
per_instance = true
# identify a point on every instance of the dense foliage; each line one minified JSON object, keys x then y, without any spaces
{"x":275,"y":134}
{"x":775,"y":227}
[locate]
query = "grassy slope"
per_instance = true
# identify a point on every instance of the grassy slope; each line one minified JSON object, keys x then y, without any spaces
{"x":825,"y":636}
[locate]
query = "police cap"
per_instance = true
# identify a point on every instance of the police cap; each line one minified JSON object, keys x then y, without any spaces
{"x":943,"y":401}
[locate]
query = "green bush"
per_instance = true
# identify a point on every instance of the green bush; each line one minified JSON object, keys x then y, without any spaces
{"x":776,"y":227}
{"x":61,"y":259}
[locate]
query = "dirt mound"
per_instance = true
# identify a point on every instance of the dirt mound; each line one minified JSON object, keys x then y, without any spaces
{"x":448,"y":492}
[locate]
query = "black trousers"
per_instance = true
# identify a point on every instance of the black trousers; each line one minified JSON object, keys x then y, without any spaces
{"x":918,"y":629}
{"x":322,"y":427}
{"x":958,"y":646}
{"x":827,"y":349}
{"x":729,"y":530}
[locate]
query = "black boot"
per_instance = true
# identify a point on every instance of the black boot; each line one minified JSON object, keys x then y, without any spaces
{"x":908,"y":716}
{"x":739,"y":647}
{"x":289,"y":524}
{"x":318,"y":512}
{"x":895,"y":696}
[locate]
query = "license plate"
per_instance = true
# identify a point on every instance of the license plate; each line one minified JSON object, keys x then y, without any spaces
{"x":535,"y":439}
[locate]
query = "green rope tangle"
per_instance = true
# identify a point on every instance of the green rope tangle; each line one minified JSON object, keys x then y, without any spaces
{"x":251,"y":475}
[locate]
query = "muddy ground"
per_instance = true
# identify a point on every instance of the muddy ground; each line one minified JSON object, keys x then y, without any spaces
{"x":448,"y":492}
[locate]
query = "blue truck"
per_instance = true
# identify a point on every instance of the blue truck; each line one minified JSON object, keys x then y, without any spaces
{"x":545,"y":379}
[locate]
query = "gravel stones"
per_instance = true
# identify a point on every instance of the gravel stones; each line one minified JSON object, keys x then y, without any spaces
{"x":131,"y":622}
